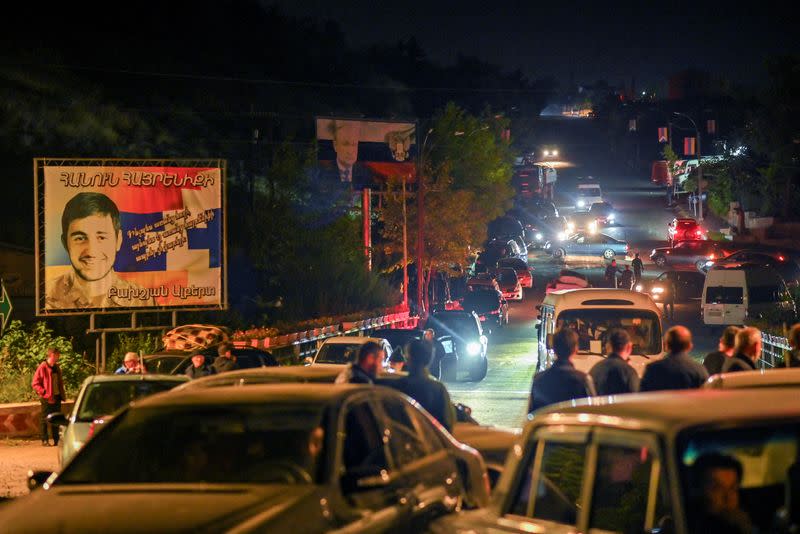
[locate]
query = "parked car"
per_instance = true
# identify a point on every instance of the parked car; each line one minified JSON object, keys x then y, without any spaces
{"x":471,"y":343}
{"x":758,"y":379}
{"x":567,"y":279}
{"x":625,"y":464}
{"x":175,"y":362}
{"x":786,"y":266}
{"x":694,"y":253}
{"x":509,"y":284}
{"x":505,"y":227}
{"x":688,"y":285}
{"x":736,"y":295}
{"x":276,"y":458}
{"x":493,"y":443}
{"x":523,"y":270}
{"x":604,"y":214}
{"x":482,"y":281}
{"x":101,"y":396}
{"x":685,"y":229}
{"x":490,"y":307}
{"x":496,"y":249}
{"x":550,"y":229}
{"x":344,"y":349}
{"x":444,"y":355}
{"x":586,"y":244}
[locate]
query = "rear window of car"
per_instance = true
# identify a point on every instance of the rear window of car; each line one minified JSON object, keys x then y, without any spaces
{"x":337,"y":353}
{"x":724,"y":295}
{"x":105,"y":398}
{"x":481,"y":301}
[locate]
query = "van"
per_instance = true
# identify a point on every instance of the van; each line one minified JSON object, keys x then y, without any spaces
{"x":732,"y":296}
{"x":588,"y":194}
{"x":593,"y":313}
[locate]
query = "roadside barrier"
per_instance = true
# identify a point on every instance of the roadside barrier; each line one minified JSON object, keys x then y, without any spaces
{"x":773,"y":350}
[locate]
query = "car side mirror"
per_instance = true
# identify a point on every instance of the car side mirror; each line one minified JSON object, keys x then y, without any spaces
{"x":37,"y":479}
{"x":308,"y":360}
{"x":58,"y":419}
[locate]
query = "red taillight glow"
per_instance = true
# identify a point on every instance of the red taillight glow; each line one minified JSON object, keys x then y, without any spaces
{"x":91,"y":430}
{"x":781,"y":258}
{"x":711,"y":256}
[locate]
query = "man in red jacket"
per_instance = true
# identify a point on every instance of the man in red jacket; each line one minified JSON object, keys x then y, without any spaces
{"x":48,"y":383}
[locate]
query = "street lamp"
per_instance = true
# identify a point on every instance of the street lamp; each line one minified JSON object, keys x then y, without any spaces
{"x":699,"y":166}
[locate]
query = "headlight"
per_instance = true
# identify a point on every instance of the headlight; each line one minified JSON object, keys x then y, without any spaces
{"x":561,"y":236}
{"x":539,"y":237}
{"x":593,"y":227}
{"x":554,"y":153}
{"x":639,"y":287}
{"x":658,"y":289}
{"x":473,"y":349}
{"x":571,"y":226}
{"x":581,"y":203}
{"x":611,"y":216}
{"x":709,"y":263}
{"x":546,"y":153}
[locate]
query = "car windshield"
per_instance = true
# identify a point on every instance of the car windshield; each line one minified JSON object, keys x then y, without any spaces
{"x":459,"y":326}
{"x":195,"y":443}
{"x":163,"y":365}
{"x":589,"y":191}
{"x":724,"y":295}
{"x":105,"y":398}
{"x":481,"y":301}
{"x":594,"y":324}
{"x":767,"y":454}
{"x":337,"y":353}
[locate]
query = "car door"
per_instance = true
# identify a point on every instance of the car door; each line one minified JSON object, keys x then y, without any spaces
{"x":432,"y":480}
{"x":369,"y":484}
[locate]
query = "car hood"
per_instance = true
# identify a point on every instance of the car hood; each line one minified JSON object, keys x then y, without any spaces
{"x":147,"y":507}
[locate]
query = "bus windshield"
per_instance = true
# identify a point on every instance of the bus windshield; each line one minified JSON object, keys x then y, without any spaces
{"x":594,"y":325}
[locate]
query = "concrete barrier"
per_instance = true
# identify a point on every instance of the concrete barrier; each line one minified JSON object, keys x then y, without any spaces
{"x":21,"y":420}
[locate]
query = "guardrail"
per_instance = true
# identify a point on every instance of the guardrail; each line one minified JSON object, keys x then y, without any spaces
{"x":773,"y":349}
{"x":292,"y":348}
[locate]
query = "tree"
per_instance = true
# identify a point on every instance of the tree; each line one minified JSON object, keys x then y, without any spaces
{"x":466,"y":168}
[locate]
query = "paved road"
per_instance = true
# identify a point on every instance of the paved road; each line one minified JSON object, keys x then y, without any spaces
{"x":16,"y":458}
{"x":501,"y":398}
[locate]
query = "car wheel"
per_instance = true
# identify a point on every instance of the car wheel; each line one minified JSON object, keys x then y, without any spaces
{"x":478,"y":372}
{"x":609,"y":254}
{"x":559,"y":253}
{"x":660,"y":261}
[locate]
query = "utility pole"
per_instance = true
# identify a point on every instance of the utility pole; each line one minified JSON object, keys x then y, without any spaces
{"x":405,"y":248}
{"x":420,"y":226}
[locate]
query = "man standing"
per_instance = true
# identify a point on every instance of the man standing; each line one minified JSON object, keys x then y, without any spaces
{"x":793,"y":358}
{"x":48,"y":383}
{"x":611,"y":274}
{"x":199,"y":368}
{"x":638,"y":267}
{"x":677,"y":370}
{"x":627,"y":278}
{"x":366,"y":367}
{"x":614,"y":375}
{"x":420,"y":386}
{"x":225,"y":361}
{"x":130,"y":364}
{"x":562,"y":382}
{"x":715,"y":360}
{"x":746,"y":353}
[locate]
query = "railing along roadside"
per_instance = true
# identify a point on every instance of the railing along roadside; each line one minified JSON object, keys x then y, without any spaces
{"x":773,"y":351}
{"x":293,"y":348}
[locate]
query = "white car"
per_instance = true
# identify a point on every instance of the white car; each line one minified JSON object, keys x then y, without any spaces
{"x":344,"y":349}
{"x":760,"y":378}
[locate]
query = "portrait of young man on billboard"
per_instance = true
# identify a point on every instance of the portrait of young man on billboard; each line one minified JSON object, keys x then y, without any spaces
{"x":91,"y":233}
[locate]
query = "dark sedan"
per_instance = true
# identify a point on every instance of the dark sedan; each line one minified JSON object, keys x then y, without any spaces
{"x":686,"y":284}
{"x":175,"y":362}
{"x":786,"y":266}
{"x":695,"y":253}
{"x":277,"y":458}
{"x":465,"y":328}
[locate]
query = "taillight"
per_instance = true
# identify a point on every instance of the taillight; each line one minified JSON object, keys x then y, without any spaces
{"x":781,"y":258}
{"x":91,"y":430}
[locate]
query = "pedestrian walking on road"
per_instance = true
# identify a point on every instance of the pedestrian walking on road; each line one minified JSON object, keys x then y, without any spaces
{"x":677,"y":370}
{"x":199,"y":368}
{"x":627,"y":278}
{"x":561,"y":382}
{"x":714,"y":361}
{"x":669,"y":299}
{"x":422,"y":387}
{"x":48,"y":383}
{"x":225,"y":361}
{"x":614,"y":375}
{"x":747,"y":351}
{"x":611,"y":274}
{"x":365,"y":368}
{"x":637,"y":267}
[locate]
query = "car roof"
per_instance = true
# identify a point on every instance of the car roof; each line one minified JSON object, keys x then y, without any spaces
{"x":173,"y":353}
{"x":352,"y":340}
{"x":136,"y":378}
{"x":294,"y":393}
{"x":574,"y":298}
{"x":755,"y":379}
{"x":672,"y":411}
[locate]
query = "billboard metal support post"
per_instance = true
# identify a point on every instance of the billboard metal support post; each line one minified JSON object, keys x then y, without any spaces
{"x":366,"y":214}
{"x":405,"y":247}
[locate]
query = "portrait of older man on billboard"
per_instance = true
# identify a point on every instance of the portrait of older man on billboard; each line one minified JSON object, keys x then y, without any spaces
{"x":92,"y":235}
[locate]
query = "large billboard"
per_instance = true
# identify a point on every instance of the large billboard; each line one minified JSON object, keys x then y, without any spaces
{"x":364,"y":152}
{"x":117,"y":235}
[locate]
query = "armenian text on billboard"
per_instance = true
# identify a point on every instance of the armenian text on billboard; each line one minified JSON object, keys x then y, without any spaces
{"x":129,"y":236}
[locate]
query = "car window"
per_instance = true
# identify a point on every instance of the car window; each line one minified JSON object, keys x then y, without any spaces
{"x":724,"y":295}
{"x":522,"y":493}
{"x":363,"y":450}
{"x":558,"y":494}
{"x":621,"y":488}
{"x":247,"y":358}
{"x":105,"y":398}
{"x":405,"y":442}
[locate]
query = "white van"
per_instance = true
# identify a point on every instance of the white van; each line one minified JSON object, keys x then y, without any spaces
{"x":588,"y":194}
{"x":593,"y":313}
{"x":732,"y":296}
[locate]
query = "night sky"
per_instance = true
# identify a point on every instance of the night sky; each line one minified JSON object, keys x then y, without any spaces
{"x":588,"y":40}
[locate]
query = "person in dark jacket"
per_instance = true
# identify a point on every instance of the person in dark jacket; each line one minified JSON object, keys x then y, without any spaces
{"x":610,"y":275}
{"x":365,"y":368}
{"x":793,"y":358}
{"x":48,"y":383}
{"x":562,"y":382}
{"x":225,"y":361}
{"x":714,"y":361}
{"x":676,"y":370}
{"x":422,"y":387}
{"x":614,"y":375}
{"x":747,"y":351}
{"x":626,"y":280}
{"x":199,"y":369}
{"x":638,"y":267}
